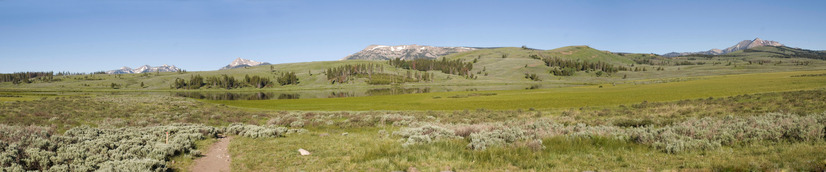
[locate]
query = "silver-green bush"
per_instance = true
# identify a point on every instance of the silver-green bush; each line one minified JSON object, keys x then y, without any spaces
{"x":90,"y":149}
{"x":255,"y":131}
{"x":424,"y":133}
{"x":694,"y":134}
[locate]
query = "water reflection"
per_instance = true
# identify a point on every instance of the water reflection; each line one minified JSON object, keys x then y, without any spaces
{"x":335,"y":94}
{"x":238,"y":96}
{"x":297,"y":95}
{"x":293,"y":94}
{"x":396,"y":90}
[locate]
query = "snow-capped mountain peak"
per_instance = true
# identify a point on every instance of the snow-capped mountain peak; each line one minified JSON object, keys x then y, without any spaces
{"x":742,"y":45}
{"x":144,"y":69}
{"x":407,"y":52}
{"x":239,"y":62}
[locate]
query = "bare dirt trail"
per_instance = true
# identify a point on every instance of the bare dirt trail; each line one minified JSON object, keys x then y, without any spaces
{"x":216,"y":158}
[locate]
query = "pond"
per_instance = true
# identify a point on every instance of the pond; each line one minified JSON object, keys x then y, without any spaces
{"x":267,"y":95}
{"x":270,"y":94}
{"x":336,"y":93}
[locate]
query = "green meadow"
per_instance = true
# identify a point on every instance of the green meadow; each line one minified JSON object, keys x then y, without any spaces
{"x":761,"y":110}
{"x":668,"y":89}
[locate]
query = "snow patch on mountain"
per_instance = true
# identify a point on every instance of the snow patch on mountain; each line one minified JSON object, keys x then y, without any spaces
{"x":144,"y":69}
{"x":239,"y":63}
{"x":745,"y":44}
{"x":406,"y":52}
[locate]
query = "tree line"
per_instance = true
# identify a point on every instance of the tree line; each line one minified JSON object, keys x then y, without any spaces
{"x":229,"y":82}
{"x":343,"y":74}
{"x":26,"y":77}
{"x":566,"y":67}
{"x":374,"y":73}
{"x":287,"y":78}
{"x":455,"y":67}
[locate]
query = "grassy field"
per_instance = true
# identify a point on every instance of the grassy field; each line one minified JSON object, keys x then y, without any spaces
{"x":596,"y":95}
{"x":376,"y":141}
{"x":367,"y":150}
{"x":744,"y":112}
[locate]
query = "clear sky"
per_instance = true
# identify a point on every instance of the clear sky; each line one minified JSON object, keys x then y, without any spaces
{"x":94,"y":35}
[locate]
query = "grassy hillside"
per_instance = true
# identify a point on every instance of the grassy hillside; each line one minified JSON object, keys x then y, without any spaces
{"x":494,"y":69}
{"x":589,"y":54}
{"x":490,"y":70}
{"x":720,"y":113}
{"x":310,"y":76}
{"x":780,"y":52}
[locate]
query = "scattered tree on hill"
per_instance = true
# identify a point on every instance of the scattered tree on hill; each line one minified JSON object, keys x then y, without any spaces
{"x":788,"y":52}
{"x":532,"y":76}
{"x":224,"y":81}
{"x":455,"y":67}
{"x":288,"y":78}
{"x":195,"y":82}
{"x":257,"y":82}
{"x":115,"y":86}
{"x":343,"y":74}
{"x":563,"y":72}
{"x":26,"y":77}
{"x":579,"y":65}
{"x":374,"y":74}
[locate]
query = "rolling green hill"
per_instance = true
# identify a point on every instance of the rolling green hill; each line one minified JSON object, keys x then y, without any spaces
{"x":780,"y":52}
{"x":489,"y":68}
{"x":493,"y":69}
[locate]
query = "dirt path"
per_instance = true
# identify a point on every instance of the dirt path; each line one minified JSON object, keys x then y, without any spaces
{"x":216,"y":159}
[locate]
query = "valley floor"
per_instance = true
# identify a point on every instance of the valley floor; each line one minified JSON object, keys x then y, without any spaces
{"x":752,"y":122}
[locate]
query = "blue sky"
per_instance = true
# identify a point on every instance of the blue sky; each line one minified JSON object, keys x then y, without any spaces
{"x":94,"y":35}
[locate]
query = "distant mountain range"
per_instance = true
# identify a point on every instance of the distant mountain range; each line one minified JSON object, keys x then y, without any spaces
{"x":239,"y":63}
{"x":745,"y":44}
{"x":144,"y":69}
{"x":405,"y":52}
{"x":413,"y":51}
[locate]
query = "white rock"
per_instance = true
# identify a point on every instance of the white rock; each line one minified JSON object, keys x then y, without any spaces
{"x":303,"y":152}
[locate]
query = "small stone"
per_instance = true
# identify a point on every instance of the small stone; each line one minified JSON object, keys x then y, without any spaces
{"x":303,"y":152}
{"x":344,"y":134}
{"x":412,"y":169}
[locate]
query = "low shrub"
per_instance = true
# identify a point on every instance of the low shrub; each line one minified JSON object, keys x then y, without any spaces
{"x":710,"y":133}
{"x":695,"y":134}
{"x":396,"y":119}
{"x":466,"y":130}
{"x":95,"y":149}
{"x":495,"y":137}
{"x":424,"y":133}
{"x":633,"y":123}
{"x":255,"y":131}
